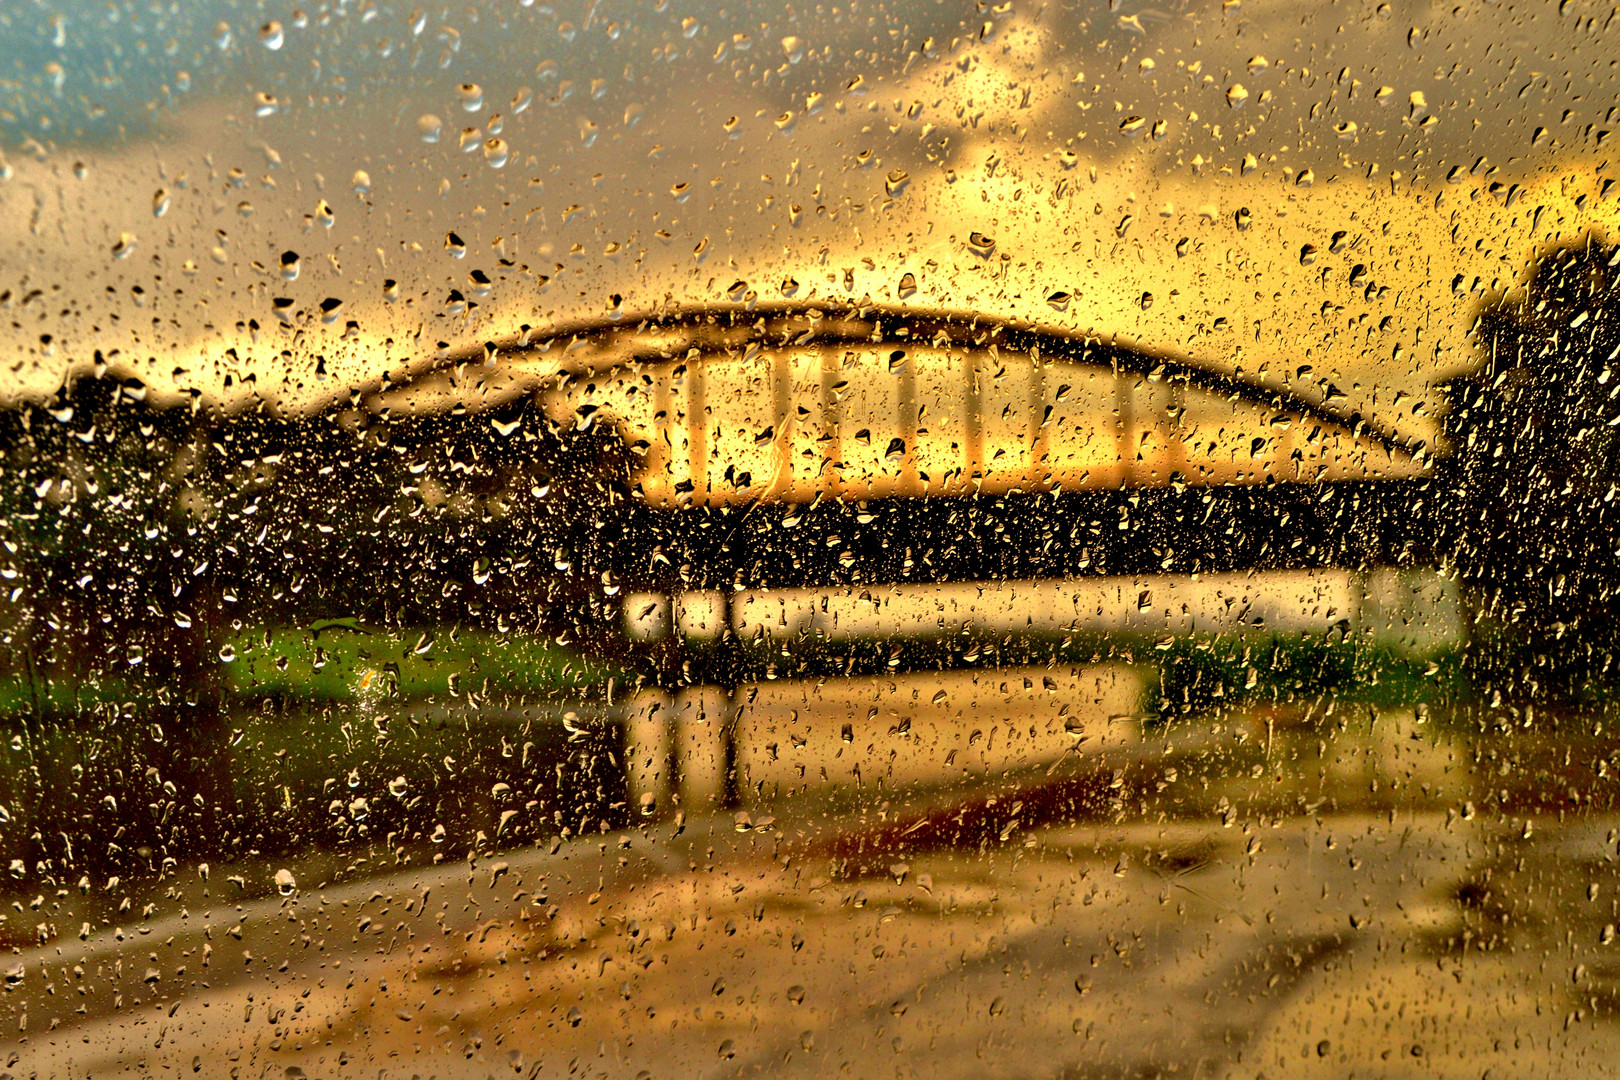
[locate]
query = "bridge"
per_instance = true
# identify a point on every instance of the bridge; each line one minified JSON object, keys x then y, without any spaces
{"x":832,"y":490}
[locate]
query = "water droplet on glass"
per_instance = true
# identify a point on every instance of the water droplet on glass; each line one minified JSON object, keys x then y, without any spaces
{"x":471,"y":95}
{"x":160,"y":202}
{"x":1236,"y":95}
{"x":289,"y":265}
{"x":265,"y":104}
{"x":398,"y":786}
{"x":271,"y":36}
{"x":227,"y":652}
{"x":286,"y":884}
{"x":125,"y":245}
{"x":495,"y":153}
{"x":428,"y":127}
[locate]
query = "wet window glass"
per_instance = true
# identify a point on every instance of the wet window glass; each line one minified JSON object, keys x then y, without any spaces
{"x":587,"y":538}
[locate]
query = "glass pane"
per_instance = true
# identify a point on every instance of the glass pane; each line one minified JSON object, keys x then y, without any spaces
{"x":589,"y":538}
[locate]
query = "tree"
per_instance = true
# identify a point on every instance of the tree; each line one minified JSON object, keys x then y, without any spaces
{"x":1535,"y":530}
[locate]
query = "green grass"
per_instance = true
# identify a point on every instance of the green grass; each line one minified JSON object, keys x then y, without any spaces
{"x":340,"y":661}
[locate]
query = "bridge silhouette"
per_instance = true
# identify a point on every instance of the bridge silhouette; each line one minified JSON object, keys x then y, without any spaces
{"x":777,"y":455}
{"x":792,"y":447}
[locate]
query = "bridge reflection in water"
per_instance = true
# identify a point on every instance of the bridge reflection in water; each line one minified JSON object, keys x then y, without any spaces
{"x":804,"y":480}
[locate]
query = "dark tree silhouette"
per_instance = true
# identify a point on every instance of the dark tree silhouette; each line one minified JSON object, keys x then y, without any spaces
{"x":1534,"y":527}
{"x":140,"y":540}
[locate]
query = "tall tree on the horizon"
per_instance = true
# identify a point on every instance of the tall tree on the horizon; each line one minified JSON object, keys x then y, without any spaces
{"x":1534,"y":478}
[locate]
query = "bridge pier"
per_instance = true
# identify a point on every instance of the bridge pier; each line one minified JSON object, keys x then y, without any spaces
{"x":703,"y":720}
{"x":649,"y":752}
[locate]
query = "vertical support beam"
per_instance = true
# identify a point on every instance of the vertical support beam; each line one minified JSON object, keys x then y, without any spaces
{"x":697,"y":428}
{"x":973,"y":420}
{"x":1040,"y":472}
{"x":833,"y":448}
{"x":908,"y":482}
{"x":1123,"y":395}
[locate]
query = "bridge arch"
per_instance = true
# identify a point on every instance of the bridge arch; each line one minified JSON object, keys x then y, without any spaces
{"x":792,"y":404}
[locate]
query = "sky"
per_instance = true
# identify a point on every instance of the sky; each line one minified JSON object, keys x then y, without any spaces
{"x":1308,"y":195}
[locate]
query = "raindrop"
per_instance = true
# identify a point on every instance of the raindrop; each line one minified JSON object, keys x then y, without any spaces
{"x":160,"y":202}
{"x":227,"y":652}
{"x":495,"y":153}
{"x":125,"y":245}
{"x":1236,"y":95}
{"x":398,"y":786}
{"x":1132,"y":126}
{"x":265,"y":104}
{"x":289,"y":265}
{"x":428,"y":127}
{"x":895,"y":182}
{"x":286,"y":884}
{"x":271,"y":35}
{"x":471,"y":95}
{"x":980,"y":244}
